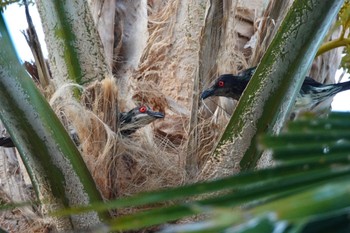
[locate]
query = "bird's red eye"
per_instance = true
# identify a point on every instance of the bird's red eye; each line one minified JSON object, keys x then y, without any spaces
{"x":143,"y":109}
{"x":221,"y":83}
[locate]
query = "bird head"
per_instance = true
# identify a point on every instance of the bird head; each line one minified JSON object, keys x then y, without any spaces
{"x":227,"y":85}
{"x":137,"y":118}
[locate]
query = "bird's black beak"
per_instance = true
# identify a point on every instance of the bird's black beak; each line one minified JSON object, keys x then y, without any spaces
{"x":155,"y":114}
{"x":207,"y":93}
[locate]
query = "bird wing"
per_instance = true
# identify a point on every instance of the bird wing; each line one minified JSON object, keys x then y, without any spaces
{"x":311,"y":82}
{"x":248,"y":73}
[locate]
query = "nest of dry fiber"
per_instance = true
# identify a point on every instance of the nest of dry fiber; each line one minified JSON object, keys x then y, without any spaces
{"x":120,"y":165}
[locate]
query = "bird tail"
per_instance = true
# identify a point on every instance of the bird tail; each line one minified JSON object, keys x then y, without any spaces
{"x":6,"y":142}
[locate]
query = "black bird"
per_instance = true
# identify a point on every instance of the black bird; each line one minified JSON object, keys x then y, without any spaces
{"x":129,"y":122}
{"x":311,"y":94}
{"x":6,"y":142}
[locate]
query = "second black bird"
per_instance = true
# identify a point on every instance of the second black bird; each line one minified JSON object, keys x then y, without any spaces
{"x":311,"y":94}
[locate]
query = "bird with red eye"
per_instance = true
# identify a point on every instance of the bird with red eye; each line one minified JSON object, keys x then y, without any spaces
{"x":143,"y":109}
{"x":137,"y":118}
{"x":312,"y":94}
{"x":224,"y":85}
{"x":221,"y":83}
{"x":129,"y":122}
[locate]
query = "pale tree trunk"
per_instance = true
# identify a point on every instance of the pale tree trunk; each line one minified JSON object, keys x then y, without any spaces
{"x":103,"y":13}
{"x":74,"y":57}
{"x":211,"y":37}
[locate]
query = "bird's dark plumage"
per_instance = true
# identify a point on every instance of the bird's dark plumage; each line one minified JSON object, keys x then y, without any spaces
{"x":227,"y":85}
{"x":311,"y":94}
{"x":230,"y":85}
{"x":129,"y":122}
{"x":6,"y":142}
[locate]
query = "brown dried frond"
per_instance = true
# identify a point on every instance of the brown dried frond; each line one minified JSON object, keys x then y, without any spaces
{"x":101,"y":98}
{"x":145,"y":92}
{"x":142,"y":165}
{"x":97,"y":140}
{"x":173,"y":129}
{"x":160,"y":28}
{"x":120,"y":165}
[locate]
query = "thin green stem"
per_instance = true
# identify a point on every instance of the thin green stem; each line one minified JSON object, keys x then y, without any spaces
{"x":340,"y":42}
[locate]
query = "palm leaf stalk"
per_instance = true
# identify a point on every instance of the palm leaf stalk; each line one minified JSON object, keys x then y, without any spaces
{"x":58,"y":172}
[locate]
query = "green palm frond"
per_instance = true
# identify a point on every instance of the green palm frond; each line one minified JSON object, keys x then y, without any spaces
{"x":54,"y":164}
{"x":301,"y":189}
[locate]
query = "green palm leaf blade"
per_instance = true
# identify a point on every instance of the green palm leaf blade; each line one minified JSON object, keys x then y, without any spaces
{"x":313,"y":138}
{"x":289,"y":180}
{"x":57,"y":171}
{"x":259,"y":193}
{"x":269,"y":186}
{"x":239,"y":181}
